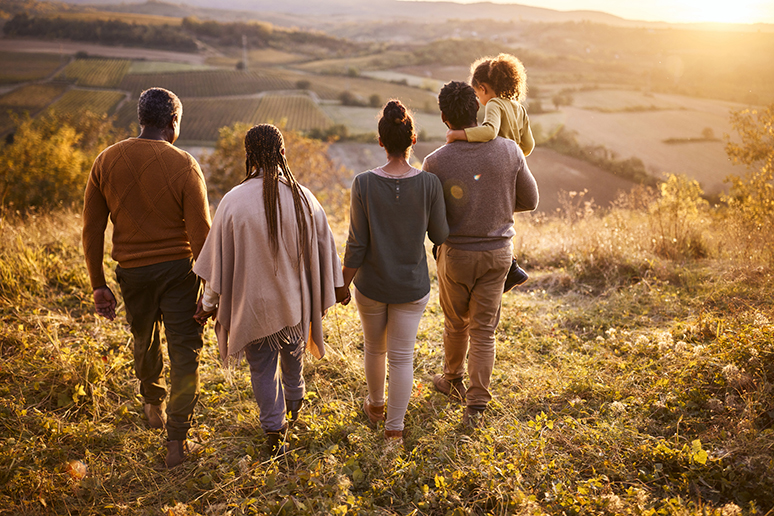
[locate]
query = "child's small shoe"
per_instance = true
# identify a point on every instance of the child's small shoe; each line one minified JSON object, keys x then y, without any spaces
{"x":516,"y":276}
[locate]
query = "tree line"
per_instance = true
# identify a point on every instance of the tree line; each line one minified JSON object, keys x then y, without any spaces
{"x":170,"y":37}
{"x":104,"y":32}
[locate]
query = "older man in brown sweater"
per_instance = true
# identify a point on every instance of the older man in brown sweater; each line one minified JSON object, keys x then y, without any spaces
{"x":156,"y":197}
{"x":483,"y":184}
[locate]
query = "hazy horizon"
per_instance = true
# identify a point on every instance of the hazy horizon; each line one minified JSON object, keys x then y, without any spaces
{"x":671,"y":11}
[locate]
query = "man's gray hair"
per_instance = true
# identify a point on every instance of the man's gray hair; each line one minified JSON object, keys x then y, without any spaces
{"x":157,"y":106}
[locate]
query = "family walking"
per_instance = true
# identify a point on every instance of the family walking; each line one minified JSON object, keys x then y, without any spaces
{"x":266,"y":267}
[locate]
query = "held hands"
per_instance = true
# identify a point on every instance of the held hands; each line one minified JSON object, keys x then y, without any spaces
{"x":105,"y":302}
{"x":343,"y":295}
{"x":201,"y":316}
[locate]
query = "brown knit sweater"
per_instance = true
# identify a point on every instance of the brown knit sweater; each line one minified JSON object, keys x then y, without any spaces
{"x":156,"y":197}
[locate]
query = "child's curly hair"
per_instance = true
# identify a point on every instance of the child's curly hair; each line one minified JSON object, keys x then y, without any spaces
{"x":504,"y":73}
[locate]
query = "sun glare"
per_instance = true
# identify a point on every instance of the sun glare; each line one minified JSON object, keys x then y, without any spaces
{"x":721,"y":11}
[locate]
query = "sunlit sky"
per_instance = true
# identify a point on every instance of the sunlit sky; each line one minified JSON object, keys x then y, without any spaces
{"x":676,"y":11}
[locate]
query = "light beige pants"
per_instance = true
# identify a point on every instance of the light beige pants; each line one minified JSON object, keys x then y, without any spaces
{"x":389,"y":332}
{"x":470,"y":285}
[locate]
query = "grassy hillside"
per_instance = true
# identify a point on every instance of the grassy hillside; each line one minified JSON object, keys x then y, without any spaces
{"x":634,"y":376}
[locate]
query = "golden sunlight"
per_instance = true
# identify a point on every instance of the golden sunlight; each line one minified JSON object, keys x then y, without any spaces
{"x":722,"y":11}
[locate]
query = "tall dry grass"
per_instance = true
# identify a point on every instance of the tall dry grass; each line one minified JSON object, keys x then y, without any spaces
{"x":633,"y":376}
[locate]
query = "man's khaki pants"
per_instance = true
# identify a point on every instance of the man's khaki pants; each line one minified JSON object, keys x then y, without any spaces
{"x":470,"y":284}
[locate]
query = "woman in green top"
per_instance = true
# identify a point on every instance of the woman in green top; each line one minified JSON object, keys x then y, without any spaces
{"x":392,"y":207}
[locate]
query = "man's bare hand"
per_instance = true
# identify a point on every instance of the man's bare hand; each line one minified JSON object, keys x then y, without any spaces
{"x":201,"y":315}
{"x":105,"y":302}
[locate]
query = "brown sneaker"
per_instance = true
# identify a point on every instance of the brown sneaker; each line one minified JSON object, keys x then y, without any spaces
{"x":156,"y":414}
{"x":178,"y":451}
{"x":473,"y":417}
{"x":452,"y":388}
{"x":374,"y":414}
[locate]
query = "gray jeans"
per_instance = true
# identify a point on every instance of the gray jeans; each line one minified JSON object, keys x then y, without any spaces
{"x":276,"y":375}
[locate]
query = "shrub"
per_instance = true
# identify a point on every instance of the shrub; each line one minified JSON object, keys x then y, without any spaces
{"x":751,"y":197}
{"x":308,"y":160}
{"x":48,"y":159}
{"x":675,"y":218}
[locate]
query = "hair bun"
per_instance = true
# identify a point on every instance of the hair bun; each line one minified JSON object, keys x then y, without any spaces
{"x":395,"y":111}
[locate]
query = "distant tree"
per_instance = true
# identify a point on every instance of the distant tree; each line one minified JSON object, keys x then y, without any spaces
{"x":240,"y":65}
{"x":303,"y":84}
{"x":562,"y":99}
{"x":375,"y":100}
{"x":332,"y":133}
{"x":707,"y":133}
{"x":535,"y":107}
{"x":348,"y":98}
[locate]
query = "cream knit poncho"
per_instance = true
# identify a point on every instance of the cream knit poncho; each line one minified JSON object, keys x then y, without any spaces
{"x":261,"y":294}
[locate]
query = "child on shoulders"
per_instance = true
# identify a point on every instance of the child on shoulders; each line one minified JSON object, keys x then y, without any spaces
{"x":500,"y":83}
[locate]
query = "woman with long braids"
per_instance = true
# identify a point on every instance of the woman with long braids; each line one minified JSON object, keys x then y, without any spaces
{"x":271,"y":272}
{"x":392,"y":208}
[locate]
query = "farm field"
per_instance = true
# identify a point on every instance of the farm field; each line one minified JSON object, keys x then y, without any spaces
{"x":141,"y":67}
{"x":104,"y":73}
{"x":438,"y":72}
{"x":136,"y":18}
{"x":373,"y":62}
{"x":31,"y":99}
{"x":300,"y":112}
{"x":553,"y":171}
{"x":260,"y":57}
{"x":215,"y":83}
{"x":426,"y":83}
{"x":22,"y":67}
{"x":364,"y":87}
{"x":363,"y":120}
{"x":97,"y":101}
{"x":32,"y":96}
{"x":642,"y":133}
{"x":202,"y":118}
{"x":66,"y":48}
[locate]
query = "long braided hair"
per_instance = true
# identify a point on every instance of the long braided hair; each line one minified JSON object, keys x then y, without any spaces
{"x":264,"y":146}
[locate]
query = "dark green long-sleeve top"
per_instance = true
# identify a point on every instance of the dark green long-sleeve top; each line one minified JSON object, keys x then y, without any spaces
{"x":388,"y":220}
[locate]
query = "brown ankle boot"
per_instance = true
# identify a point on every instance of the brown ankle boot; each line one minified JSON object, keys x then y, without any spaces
{"x":275,"y":439}
{"x":374,"y":414}
{"x":178,"y":451}
{"x":156,"y":414}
